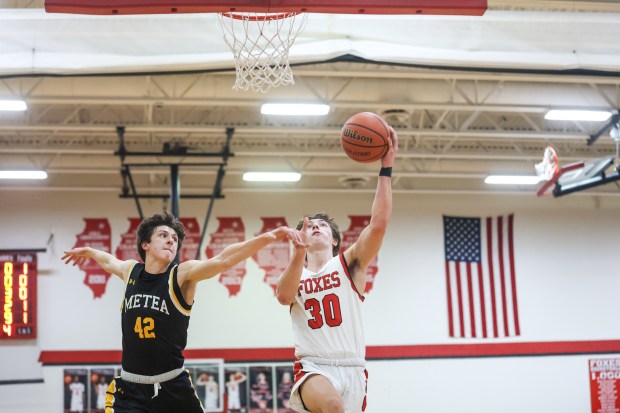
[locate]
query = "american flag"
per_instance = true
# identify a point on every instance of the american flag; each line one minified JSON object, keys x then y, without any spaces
{"x":480,"y":277}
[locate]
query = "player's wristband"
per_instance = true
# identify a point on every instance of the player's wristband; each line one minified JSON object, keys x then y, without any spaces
{"x":385,"y":171}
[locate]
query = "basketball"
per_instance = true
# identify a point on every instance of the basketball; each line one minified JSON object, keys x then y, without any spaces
{"x":364,"y":137}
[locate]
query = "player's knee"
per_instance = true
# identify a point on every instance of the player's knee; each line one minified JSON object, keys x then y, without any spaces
{"x":333,"y":405}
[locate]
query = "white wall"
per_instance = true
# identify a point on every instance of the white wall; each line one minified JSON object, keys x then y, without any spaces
{"x":567,"y":281}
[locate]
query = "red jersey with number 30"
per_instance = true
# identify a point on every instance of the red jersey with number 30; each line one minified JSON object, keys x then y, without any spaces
{"x":327,"y":314}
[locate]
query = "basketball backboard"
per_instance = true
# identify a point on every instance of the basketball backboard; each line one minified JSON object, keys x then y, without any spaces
{"x":579,"y":176}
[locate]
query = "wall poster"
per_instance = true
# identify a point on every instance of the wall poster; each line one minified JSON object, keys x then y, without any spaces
{"x":604,"y":385}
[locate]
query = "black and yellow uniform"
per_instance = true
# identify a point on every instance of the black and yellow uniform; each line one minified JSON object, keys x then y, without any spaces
{"x":154,"y":318}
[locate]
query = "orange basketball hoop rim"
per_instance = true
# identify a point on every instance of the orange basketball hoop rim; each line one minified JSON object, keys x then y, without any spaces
{"x":253,"y":17}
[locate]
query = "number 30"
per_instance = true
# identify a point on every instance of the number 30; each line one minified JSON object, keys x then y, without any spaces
{"x":330,"y":305}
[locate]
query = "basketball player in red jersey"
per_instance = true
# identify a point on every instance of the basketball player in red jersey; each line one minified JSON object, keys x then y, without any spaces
{"x":155,"y":313}
{"x":323,"y":288}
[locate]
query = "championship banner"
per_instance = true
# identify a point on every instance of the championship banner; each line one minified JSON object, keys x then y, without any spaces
{"x":192,"y":238}
{"x":230,"y":231}
{"x":358,"y":223}
{"x":97,"y":235}
{"x":274,"y":258}
{"x":604,"y":385}
{"x":128,"y":248}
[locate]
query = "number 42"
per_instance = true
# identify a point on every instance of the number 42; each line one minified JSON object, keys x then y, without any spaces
{"x":144,"y":327}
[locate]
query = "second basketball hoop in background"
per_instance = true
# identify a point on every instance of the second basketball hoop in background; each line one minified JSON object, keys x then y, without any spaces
{"x":364,"y":137}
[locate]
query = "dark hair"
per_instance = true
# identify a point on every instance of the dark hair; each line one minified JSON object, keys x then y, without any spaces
{"x":148,"y":226}
{"x":332,"y":225}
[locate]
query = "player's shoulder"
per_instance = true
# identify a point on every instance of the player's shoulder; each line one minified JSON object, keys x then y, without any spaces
{"x":129,"y":266}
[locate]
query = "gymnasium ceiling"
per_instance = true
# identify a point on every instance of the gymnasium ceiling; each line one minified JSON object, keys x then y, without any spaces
{"x":458,"y":119}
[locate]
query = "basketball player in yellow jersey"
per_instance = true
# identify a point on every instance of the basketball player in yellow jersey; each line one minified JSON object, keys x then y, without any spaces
{"x":324,"y":288}
{"x":155,"y":313}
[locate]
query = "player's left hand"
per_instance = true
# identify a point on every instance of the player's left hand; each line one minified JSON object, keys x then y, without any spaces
{"x":290,"y":234}
{"x":76,"y":255}
{"x":302,"y":235}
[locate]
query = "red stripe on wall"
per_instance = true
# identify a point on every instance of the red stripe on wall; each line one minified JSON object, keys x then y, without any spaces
{"x":80,"y":357}
{"x":553,"y":348}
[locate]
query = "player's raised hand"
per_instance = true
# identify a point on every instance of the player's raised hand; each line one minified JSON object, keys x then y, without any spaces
{"x":288,"y":233}
{"x":76,"y":255}
{"x":301,"y":240}
{"x":388,"y":159}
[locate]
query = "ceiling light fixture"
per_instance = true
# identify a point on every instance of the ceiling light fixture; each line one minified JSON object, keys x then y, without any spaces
{"x":23,"y":175}
{"x":584,"y":115}
{"x":512,"y":179}
{"x":271,"y":176}
{"x":292,"y":109}
{"x":14,"y":105}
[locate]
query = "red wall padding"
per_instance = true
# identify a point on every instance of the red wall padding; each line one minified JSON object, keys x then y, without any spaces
{"x":112,"y":7}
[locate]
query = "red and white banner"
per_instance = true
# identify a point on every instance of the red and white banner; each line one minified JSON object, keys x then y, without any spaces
{"x":128,"y":248}
{"x":274,"y":258}
{"x":97,"y":235}
{"x":230,"y":231}
{"x":358,"y":223}
{"x":480,"y":277}
{"x":192,"y":238}
{"x":604,"y":385}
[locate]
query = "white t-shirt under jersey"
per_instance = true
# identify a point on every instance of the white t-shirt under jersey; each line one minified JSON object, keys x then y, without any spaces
{"x":327,"y":314}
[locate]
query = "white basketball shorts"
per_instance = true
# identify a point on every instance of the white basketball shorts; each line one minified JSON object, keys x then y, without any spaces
{"x":349,"y":382}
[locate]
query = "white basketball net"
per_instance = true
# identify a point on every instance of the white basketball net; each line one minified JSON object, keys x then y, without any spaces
{"x":260,"y":43}
{"x":549,"y":165}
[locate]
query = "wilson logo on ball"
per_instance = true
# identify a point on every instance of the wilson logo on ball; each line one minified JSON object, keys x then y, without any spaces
{"x":353,"y":134}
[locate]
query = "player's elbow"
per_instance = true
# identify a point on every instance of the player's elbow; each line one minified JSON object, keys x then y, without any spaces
{"x":378,"y":227}
{"x":283,"y":297}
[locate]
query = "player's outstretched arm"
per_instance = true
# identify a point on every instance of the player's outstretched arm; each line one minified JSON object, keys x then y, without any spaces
{"x":369,"y":242}
{"x":288,"y":283}
{"x":106,"y":261}
{"x":197,"y":270}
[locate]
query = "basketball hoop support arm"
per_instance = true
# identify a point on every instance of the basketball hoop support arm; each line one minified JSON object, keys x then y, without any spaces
{"x":615,"y":118}
{"x":217,"y":188}
{"x":129,"y":190}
